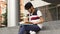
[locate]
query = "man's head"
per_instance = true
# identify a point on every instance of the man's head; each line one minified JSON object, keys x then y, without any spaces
{"x":29,"y":6}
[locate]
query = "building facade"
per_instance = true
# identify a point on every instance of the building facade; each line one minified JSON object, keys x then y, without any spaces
{"x":51,"y":12}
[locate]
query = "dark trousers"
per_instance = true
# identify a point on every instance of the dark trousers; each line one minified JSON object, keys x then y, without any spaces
{"x":27,"y":28}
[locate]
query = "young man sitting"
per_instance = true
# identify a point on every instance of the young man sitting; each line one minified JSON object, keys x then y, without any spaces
{"x":34,"y":16}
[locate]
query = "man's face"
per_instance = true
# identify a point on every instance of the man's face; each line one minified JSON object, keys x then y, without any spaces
{"x":30,"y":10}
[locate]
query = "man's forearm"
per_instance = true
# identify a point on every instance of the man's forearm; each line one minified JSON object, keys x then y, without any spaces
{"x":40,"y":22}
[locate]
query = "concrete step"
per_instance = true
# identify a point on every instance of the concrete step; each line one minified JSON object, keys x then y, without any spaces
{"x":9,"y":30}
{"x":49,"y":32}
{"x":52,"y":27}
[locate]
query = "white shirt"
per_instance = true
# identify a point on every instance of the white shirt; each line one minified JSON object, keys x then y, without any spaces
{"x":34,"y":17}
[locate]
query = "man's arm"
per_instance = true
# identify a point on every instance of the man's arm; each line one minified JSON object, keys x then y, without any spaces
{"x":41,"y":17}
{"x":41,"y":20}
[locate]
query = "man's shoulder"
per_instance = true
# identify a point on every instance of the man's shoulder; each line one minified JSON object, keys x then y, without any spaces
{"x":37,"y":10}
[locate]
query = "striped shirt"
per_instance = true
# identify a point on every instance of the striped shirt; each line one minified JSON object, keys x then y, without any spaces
{"x":35,"y":17}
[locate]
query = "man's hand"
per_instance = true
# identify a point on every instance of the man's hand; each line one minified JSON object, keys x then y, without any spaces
{"x":26,"y":20}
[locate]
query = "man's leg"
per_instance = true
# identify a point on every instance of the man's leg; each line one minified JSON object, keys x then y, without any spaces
{"x":27,"y":32}
{"x":28,"y":28}
{"x":21,"y":30}
{"x":32,"y":28}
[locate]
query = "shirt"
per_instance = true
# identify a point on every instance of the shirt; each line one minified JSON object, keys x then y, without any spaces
{"x":35,"y":17}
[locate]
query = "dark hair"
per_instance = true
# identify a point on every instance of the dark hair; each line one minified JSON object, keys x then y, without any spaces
{"x":28,"y":5}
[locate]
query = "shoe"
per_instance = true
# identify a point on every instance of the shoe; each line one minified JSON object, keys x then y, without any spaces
{"x":32,"y":32}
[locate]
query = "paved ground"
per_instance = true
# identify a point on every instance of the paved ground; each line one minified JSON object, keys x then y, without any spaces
{"x":52,"y":27}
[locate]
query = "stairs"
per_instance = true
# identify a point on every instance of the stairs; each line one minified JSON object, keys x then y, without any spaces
{"x":52,"y":27}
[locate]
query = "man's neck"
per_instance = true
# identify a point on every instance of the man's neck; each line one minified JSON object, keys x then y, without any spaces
{"x":33,"y":11}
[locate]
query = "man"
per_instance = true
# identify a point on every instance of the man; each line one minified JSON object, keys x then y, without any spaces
{"x":34,"y":17}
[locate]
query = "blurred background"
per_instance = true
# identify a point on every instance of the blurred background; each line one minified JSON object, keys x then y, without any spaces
{"x":50,"y":10}
{"x":3,"y":13}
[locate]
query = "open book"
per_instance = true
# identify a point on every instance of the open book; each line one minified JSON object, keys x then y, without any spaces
{"x":23,"y":23}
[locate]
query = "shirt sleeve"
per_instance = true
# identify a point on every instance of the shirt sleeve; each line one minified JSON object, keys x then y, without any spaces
{"x":39,"y":13}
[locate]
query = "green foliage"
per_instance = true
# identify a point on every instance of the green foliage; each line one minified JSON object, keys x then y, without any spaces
{"x":5,"y":18}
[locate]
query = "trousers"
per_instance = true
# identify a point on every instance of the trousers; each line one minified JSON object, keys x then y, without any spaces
{"x":27,"y":28}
